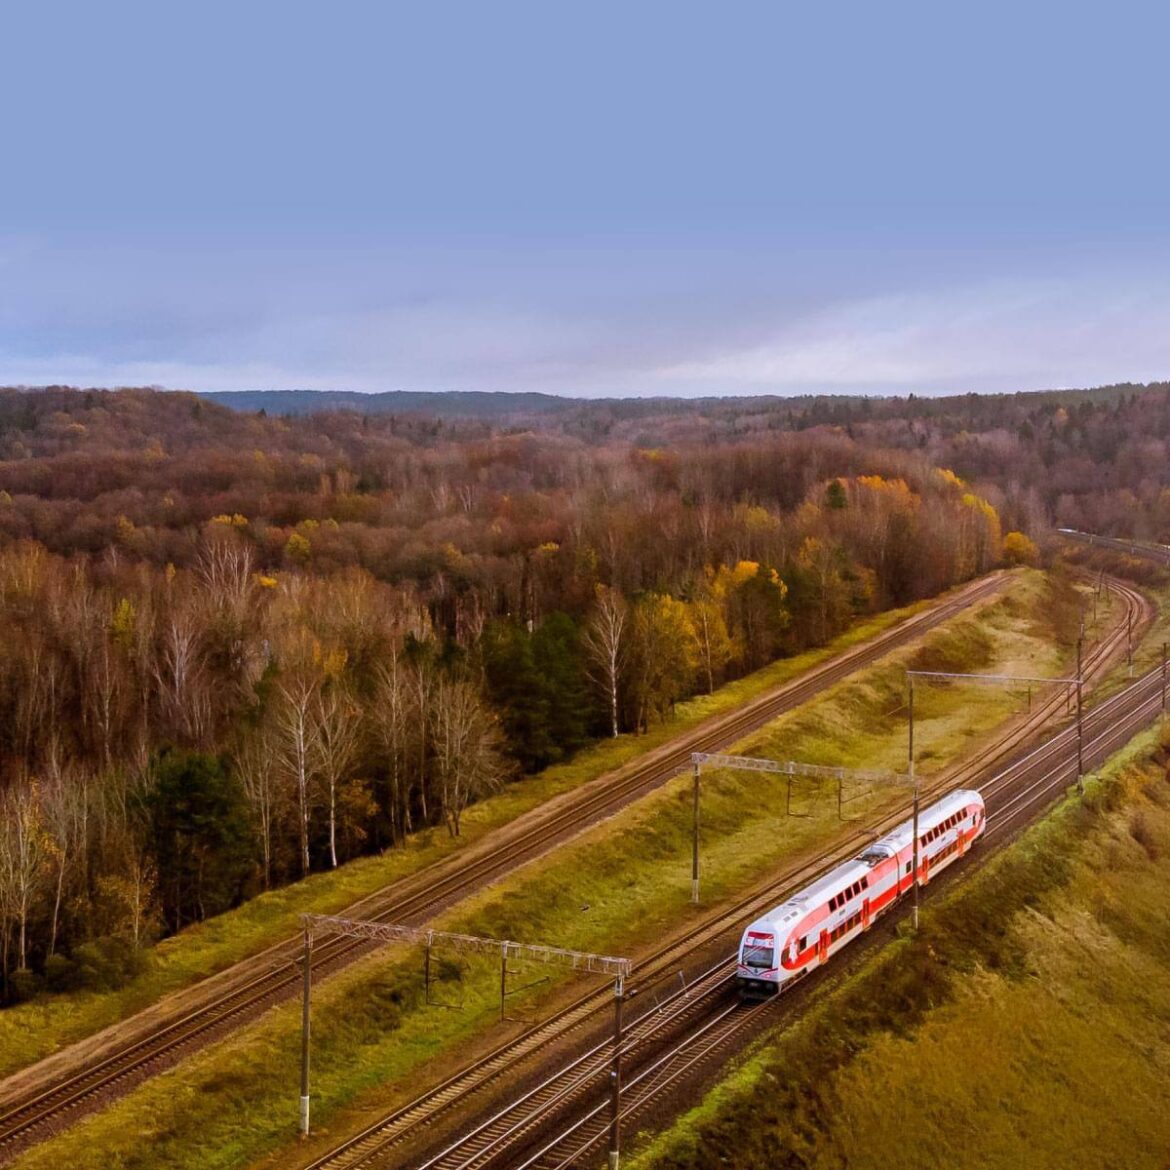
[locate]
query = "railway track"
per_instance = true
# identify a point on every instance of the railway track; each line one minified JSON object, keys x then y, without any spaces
{"x":60,"y":1101}
{"x":575,"y":1109}
{"x":373,"y":1146}
{"x":1145,"y":549}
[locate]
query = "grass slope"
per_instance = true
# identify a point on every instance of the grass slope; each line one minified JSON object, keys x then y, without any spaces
{"x":626,"y":884}
{"x":1028,"y":1025}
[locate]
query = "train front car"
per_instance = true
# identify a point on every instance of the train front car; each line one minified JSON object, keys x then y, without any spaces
{"x":758,"y":972}
{"x":767,"y":951}
{"x":807,"y":930}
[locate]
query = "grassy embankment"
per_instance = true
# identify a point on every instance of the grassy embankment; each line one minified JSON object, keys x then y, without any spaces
{"x":626,"y":884}
{"x":31,"y":1031}
{"x":1027,"y":1025}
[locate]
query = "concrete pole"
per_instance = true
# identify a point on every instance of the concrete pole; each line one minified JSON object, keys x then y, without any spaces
{"x":1163,"y":678}
{"x":503,"y":980}
{"x":695,"y":838}
{"x":914,"y":782}
{"x":307,"y":962}
{"x":1080,"y":718}
{"x":615,"y":1079}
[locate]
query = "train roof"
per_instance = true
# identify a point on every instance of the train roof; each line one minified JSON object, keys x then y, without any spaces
{"x":849,"y":871}
{"x":928,"y":817}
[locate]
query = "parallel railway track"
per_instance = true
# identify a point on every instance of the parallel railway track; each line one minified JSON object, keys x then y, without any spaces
{"x":564,"y":1120}
{"x":57,"y":1104}
{"x":376,"y":1144}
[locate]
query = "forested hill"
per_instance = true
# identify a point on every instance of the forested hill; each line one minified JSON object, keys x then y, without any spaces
{"x":803,"y":410}
{"x":483,"y":404}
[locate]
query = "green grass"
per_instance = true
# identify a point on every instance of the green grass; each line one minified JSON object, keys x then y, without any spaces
{"x":621,"y":886}
{"x":1028,"y":1025}
{"x":31,"y":1031}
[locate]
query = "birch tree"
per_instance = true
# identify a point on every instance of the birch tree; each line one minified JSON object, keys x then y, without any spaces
{"x":605,"y":645}
{"x":466,"y":743}
{"x":24,"y":848}
{"x":335,"y":741}
{"x":298,"y":728}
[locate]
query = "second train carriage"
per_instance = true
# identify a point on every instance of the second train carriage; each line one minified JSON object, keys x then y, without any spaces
{"x":802,"y":933}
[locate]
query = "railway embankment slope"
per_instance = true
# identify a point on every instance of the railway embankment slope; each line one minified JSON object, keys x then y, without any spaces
{"x":1027,"y":1025}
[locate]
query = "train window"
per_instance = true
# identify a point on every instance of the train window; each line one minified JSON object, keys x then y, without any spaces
{"x":832,"y":903}
{"x":802,"y":944}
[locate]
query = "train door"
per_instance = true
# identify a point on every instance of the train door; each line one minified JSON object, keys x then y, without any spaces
{"x":865,"y":915}
{"x":823,"y":946}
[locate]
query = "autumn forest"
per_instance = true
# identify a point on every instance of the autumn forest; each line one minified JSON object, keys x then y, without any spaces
{"x":239,"y":648}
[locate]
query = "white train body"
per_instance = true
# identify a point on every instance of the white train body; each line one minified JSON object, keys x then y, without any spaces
{"x":798,"y":936}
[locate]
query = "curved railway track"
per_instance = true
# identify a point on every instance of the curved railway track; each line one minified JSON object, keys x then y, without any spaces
{"x":564,"y":1120}
{"x":57,"y":1104}
{"x":373,"y":1145}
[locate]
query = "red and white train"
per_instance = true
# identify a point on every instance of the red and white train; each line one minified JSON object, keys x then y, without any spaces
{"x":804,"y":932}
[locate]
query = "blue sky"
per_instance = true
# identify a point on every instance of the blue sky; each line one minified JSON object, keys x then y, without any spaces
{"x":584,"y":199}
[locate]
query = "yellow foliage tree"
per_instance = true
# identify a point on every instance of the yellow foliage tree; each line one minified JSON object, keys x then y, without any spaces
{"x":1018,"y":549}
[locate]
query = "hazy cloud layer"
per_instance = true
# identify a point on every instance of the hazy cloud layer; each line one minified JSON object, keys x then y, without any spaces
{"x":989,"y":335}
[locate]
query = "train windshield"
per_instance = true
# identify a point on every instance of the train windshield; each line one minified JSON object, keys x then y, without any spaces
{"x":758,"y":952}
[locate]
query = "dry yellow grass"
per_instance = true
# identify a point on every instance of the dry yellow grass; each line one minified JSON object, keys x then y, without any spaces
{"x":1039,"y":1042}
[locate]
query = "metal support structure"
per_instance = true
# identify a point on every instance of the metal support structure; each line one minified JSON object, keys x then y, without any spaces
{"x":1075,"y":685}
{"x":914,"y":782}
{"x":611,"y":965}
{"x":1128,"y":642}
{"x":995,"y":679}
{"x":1163,"y":678}
{"x":695,"y":835}
{"x":615,"y":1078}
{"x":534,"y":952}
{"x":789,"y":768}
{"x":307,"y":961}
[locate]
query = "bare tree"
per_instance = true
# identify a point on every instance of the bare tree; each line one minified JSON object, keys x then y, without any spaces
{"x":178,"y":673}
{"x":396,"y":721}
{"x":335,"y":741}
{"x":65,"y":801}
{"x":297,"y":728}
{"x":256,"y":766}
{"x":24,"y":847}
{"x":466,"y":742}
{"x":225,"y":567}
{"x":605,"y":644}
